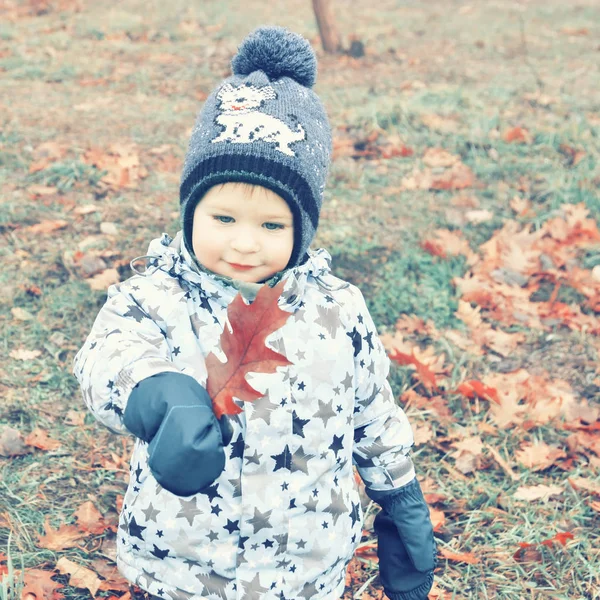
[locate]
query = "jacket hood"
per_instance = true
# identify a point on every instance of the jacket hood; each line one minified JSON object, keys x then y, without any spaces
{"x":171,"y":256}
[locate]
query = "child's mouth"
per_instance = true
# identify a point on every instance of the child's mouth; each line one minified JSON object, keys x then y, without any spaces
{"x":241,"y":267}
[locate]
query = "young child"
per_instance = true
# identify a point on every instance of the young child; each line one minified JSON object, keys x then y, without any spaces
{"x":264,"y":504}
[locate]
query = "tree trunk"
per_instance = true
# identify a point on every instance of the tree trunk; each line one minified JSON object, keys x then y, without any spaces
{"x":327,"y":29}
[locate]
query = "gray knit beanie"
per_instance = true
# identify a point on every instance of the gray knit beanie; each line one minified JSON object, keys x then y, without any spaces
{"x":265,"y":126}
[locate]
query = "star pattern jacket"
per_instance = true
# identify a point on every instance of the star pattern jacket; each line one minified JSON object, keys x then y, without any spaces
{"x":284,"y":518}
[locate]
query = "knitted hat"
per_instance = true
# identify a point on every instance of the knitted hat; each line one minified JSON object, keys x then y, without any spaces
{"x":265,"y":126}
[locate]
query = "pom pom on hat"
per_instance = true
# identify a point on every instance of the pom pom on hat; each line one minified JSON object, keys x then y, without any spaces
{"x":277,"y":52}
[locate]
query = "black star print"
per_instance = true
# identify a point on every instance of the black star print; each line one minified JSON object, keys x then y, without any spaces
{"x":360,"y":318}
{"x":339,"y":408}
{"x":329,"y":298}
{"x":243,"y":539}
{"x":136,"y":488}
{"x":212,"y":492}
{"x":359,"y":434}
{"x":176,"y":351}
{"x":335,"y":481}
{"x":159,"y":533}
{"x":232,"y":526}
{"x":315,"y":493}
{"x":162,"y":554}
{"x":237,"y":448}
{"x":135,"y":529}
{"x":216,"y":509}
{"x":268,"y":543}
{"x":283,"y":402}
{"x":337,"y":444}
{"x":353,"y":538}
{"x":325,"y":525}
{"x":160,"y":591}
{"x":298,"y":424}
{"x":285,"y":485}
{"x":293,"y":568}
{"x":301,"y":386}
{"x":138,"y":472}
{"x":367,"y":339}
{"x":93,"y":345}
{"x":355,"y":515}
{"x":321,"y":586}
{"x":135,"y":547}
{"x":356,"y":341}
{"x":292,"y":503}
{"x":362,"y":363}
{"x":283,"y":460}
{"x":321,"y":336}
{"x":110,"y":385}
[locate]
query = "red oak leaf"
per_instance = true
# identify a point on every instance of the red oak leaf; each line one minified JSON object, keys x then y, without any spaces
{"x":245,"y":349}
{"x":426,"y":375}
{"x":473,"y":388}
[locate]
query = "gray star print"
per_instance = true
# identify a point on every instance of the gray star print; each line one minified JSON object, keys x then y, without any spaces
{"x":325,"y":411}
{"x":214,"y":584}
{"x":260,"y":520}
{"x":309,"y":590}
{"x":253,"y":589}
{"x":189,"y":509}
{"x":263,"y":407}
{"x":329,"y":319}
{"x":254,"y":458}
{"x":300,"y":461}
{"x":150,"y":513}
{"x":337,"y":506}
{"x":347,"y":382}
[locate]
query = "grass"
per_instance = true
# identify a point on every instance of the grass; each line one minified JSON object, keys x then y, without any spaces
{"x":477,"y":66}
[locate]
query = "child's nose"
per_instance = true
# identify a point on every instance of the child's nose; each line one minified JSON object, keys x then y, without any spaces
{"x":245,"y":241}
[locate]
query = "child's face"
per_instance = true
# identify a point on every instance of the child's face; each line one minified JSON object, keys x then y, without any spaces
{"x":243,"y":232}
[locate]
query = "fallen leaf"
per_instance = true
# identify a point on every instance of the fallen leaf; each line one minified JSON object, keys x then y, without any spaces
{"x":12,"y":443}
{"x":438,"y":123}
{"x":422,"y":434}
{"x":466,"y":557}
{"x":38,"y":438}
{"x":108,"y":228}
{"x":473,"y":388}
{"x":438,"y":157}
{"x":527,"y":553}
{"x":42,"y":190}
{"x":457,"y":177}
{"x":438,"y":518}
{"x":90,"y":519}
{"x":22,"y":354}
{"x":586,"y":484}
{"x":80,"y":577}
{"x":39,"y":585}
{"x":45,"y":227}
{"x":560,"y":538}
{"x":425,"y":374}
{"x":20,"y":314}
{"x":66,"y":536}
{"x":518,"y":135}
{"x":539,"y":455}
{"x":537,"y":492}
{"x":86,"y":209}
{"x":577,"y":31}
{"x":245,"y":349}
{"x":104,"y":280}
{"x":479,"y":216}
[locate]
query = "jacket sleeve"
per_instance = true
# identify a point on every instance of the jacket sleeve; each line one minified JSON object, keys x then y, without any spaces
{"x":382,"y":434}
{"x":127,"y":344}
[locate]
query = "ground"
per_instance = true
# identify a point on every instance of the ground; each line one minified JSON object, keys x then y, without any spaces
{"x":466,"y":151}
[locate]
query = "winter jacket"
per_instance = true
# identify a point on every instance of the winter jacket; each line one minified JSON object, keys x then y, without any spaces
{"x":284,"y":517}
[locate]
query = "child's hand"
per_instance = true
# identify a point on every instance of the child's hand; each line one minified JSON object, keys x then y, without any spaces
{"x":406,"y":546}
{"x":173,"y":413}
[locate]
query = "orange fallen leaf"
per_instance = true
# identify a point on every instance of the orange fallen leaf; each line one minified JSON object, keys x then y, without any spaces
{"x":560,"y":538}
{"x":539,"y":456}
{"x":586,"y":484}
{"x":45,"y":227}
{"x":39,"y":439}
{"x":426,"y":375}
{"x":80,"y":577}
{"x":518,"y":135}
{"x":90,"y":519}
{"x":473,"y":388}
{"x":466,"y":557}
{"x":66,"y":536}
{"x":39,"y":585}
{"x":458,"y":177}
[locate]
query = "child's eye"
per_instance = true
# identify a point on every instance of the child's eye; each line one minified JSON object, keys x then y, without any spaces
{"x":223,"y":219}
{"x":273,"y":226}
